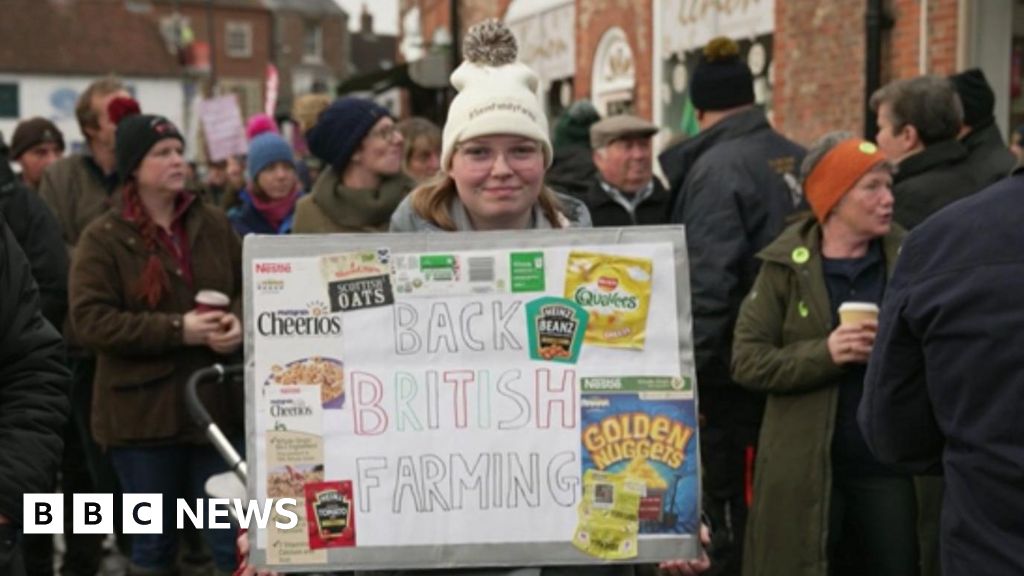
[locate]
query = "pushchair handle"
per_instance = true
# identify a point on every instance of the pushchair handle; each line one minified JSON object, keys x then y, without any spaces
{"x":216,"y":373}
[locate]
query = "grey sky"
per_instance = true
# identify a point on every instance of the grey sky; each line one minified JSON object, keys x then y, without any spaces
{"x":385,"y":14}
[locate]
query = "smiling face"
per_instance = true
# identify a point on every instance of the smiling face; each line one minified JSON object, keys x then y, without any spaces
{"x":866,"y":210}
{"x":498,"y":179}
{"x":163,"y":169}
{"x":381,"y":149}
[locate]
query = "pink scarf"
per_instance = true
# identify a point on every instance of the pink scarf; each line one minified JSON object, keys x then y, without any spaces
{"x":275,"y":211}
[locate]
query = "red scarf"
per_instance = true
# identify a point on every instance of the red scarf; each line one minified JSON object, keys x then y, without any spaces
{"x":275,"y":211}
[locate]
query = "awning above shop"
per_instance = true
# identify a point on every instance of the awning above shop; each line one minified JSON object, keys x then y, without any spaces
{"x":430,"y":72}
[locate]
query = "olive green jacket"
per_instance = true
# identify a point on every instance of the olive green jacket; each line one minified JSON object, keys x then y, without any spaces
{"x":780,"y":348}
{"x":332,"y":208}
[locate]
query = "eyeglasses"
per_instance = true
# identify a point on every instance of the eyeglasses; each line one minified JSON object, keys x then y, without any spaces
{"x":482,"y":156}
{"x":386,"y":132}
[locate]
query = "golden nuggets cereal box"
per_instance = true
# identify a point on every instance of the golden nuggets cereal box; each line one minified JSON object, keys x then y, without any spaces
{"x":616,"y":292}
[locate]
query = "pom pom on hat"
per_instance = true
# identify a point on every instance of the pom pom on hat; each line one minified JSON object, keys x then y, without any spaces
{"x":260,"y":124}
{"x":121,"y":108}
{"x":722,"y":80}
{"x":490,"y":43}
{"x":497,"y":95}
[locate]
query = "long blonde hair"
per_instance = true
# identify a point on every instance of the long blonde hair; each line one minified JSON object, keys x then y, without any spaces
{"x":432,"y":201}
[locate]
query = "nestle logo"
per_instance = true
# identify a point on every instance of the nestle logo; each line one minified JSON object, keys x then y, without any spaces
{"x":274,"y":268}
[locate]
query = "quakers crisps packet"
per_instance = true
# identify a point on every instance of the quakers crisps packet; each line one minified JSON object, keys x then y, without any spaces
{"x":605,"y":540}
{"x":616,"y":292}
{"x":609,"y":515}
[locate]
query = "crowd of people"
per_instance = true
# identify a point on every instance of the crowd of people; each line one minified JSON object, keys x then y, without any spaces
{"x":829,"y":448}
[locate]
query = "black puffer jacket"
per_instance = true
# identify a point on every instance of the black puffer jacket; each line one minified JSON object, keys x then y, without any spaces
{"x":33,"y":384}
{"x":737,"y":190}
{"x":931,"y":179}
{"x":38,"y":234}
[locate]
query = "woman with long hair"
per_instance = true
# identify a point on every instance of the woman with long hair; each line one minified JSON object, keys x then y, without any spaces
{"x":135,"y":278}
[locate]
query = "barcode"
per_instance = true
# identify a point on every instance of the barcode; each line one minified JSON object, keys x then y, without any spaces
{"x":481,"y":269}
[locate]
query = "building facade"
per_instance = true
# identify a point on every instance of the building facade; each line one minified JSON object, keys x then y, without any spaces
{"x":311,"y":48}
{"x":44,"y":63}
{"x":238,"y":50}
{"x":809,"y":58}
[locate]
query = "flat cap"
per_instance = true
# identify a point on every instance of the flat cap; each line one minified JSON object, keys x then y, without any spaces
{"x":606,"y":131}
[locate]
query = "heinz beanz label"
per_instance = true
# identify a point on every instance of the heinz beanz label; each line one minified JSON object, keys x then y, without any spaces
{"x":616,"y":293}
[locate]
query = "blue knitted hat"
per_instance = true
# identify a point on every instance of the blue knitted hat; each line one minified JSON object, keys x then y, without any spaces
{"x":266,"y":149}
{"x":340,"y":129}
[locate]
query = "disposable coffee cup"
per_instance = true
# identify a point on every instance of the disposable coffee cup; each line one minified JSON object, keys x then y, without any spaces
{"x":212,"y":300}
{"x":857,"y":312}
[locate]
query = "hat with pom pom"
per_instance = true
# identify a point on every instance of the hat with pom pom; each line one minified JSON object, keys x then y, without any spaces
{"x":722,"y":80}
{"x":497,"y":95}
{"x":136,"y":134}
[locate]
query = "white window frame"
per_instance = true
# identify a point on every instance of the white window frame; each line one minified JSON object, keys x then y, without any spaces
{"x":244,"y":30}
{"x":318,"y":56}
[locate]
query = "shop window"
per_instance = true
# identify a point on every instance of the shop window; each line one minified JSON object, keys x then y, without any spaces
{"x":313,"y":42}
{"x":9,"y":104}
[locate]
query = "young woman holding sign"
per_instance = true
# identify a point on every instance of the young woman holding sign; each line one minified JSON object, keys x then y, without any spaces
{"x":495,"y":152}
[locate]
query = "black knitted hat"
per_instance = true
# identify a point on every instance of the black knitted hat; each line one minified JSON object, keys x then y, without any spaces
{"x":721,"y":80}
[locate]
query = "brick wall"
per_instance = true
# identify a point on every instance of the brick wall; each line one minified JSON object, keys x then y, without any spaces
{"x":819,"y":67}
{"x":593,"y":19}
{"x":291,"y":30}
{"x":820,"y":59}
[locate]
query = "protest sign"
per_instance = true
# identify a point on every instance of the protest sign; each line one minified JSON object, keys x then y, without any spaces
{"x":222,"y":126}
{"x":488,"y":399}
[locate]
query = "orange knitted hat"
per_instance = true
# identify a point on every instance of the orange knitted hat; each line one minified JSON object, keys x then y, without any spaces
{"x":837,"y":172}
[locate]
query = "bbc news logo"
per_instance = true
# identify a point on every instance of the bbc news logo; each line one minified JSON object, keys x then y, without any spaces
{"x":144,"y":513}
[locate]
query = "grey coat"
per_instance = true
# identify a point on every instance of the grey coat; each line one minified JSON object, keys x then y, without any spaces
{"x":405,"y":219}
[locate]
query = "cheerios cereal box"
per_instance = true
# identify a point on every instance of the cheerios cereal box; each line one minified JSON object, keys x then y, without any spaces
{"x":616,"y":292}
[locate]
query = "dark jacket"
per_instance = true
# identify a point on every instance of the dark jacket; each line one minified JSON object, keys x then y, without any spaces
{"x":78,"y":193}
{"x":988,"y":156}
{"x":142,"y":360}
{"x":33,"y":385}
{"x":248,"y":220}
{"x":605,"y":211}
{"x":734,"y":202}
{"x":781,"y":348}
{"x":572,"y":170}
{"x":931,"y":179}
{"x":946,"y":380}
{"x":39,"y":236}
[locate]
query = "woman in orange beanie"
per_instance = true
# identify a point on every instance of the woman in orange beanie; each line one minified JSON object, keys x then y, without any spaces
{"x":823,"y":505}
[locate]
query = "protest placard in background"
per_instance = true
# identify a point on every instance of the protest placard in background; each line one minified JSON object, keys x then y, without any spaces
{"x":478,"y":399}
{"x":223,"y":129}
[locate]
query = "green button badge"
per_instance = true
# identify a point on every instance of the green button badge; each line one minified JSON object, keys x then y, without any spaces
{"x":801,"y":255}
